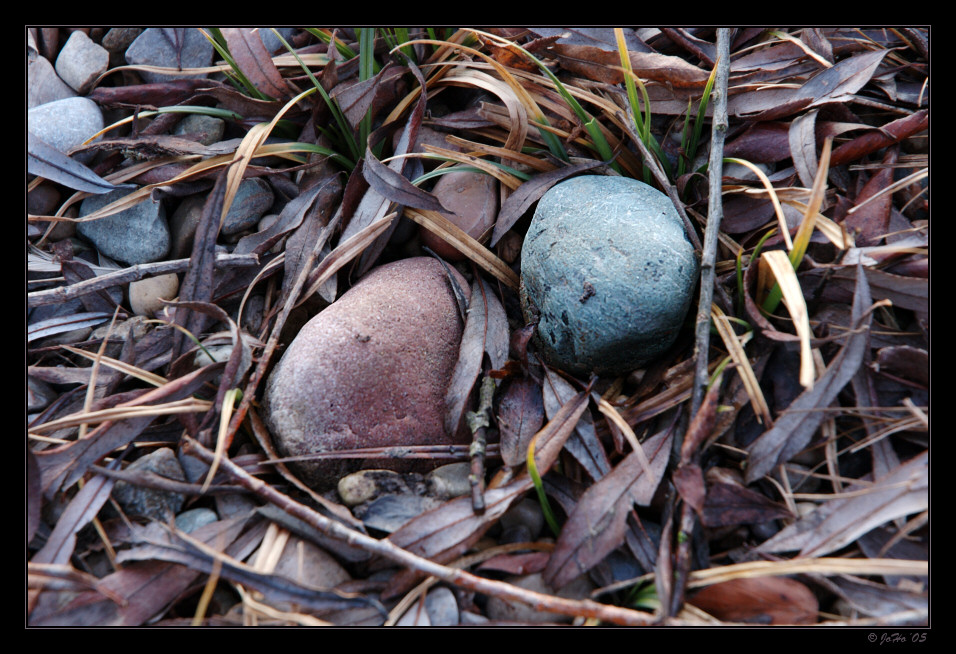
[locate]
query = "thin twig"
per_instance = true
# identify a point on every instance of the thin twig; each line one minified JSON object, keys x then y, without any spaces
{"x":549,"y":603}
{"x":714,"y":216}
{"x":131,"y":274}
{"x":682,"y":559}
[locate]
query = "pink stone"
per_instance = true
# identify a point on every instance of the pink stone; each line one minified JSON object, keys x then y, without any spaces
{"x":473,"y":199}
{"x":370,"y":370}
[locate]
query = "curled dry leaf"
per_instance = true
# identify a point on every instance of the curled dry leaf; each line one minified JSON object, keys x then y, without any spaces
{"x":486,"y":330}
{"x":252,"y":58}
{"x":840,"y":521}
{"x":597,"y":525}
{"x":794,"y":429}
{"x":759,"y":600}
{"x":520,"y":416}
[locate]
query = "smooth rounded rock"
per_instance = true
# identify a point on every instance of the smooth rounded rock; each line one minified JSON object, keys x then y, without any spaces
{"x":65,"y":124}
{"x":146,"y":295}
{"x":81,"y":62}
{"x":208,"y":128}
{"x":139,"y":234}
{"x":608,"y":274}
{"x":187,"y":49}
{"x":43,"y":84}
{"x":370,"y":370}
{"x":473,"y":200}
{"x":150,"y":502}
{"x":253,"y":198}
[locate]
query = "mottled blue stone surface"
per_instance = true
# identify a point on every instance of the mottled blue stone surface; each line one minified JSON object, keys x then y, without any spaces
{"x":607,"y":272}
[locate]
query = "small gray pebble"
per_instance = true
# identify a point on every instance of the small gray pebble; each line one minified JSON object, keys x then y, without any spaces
{"x":271,"y":41}
{"x":189,"y":521}
{"x":43,"y":84}
{"x":183,"y":224}
{"x":81,"y":62}
{"x":65,"y":124}
{"x":119,"y":38}
{"x":442,"y":608}
{"x":253,"y":198}
{"x":607,"y":272}
{"x":149,"y":502}
{"x":154,"y":48}
{"x":452,"y":480}
{"x":525,"y":513}
{"x":139,"y":234}
{"x":210,"y":127}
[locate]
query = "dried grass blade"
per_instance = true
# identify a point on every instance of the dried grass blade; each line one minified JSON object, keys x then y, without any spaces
{"x":516,"y":110}
{"x":821,"y":566}
{"x":747,"y":376}
{"x":189,"y":405}
{"x":461,"y":241}
{"x":813,"y":205}
{"x":781,"y":219}
{"x":794,"y":430}
{"x":502,"y":176}
{"x":345,"y":252}
{"x":793,"y":299}
{"x":612,"y":414}
{"x":121,"y":366}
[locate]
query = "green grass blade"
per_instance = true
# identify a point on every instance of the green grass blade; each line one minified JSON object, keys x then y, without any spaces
{"x":218,"y":42}
{"x":344,"y":129}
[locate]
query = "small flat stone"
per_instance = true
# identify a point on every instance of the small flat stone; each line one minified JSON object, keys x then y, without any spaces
{"x":170,"y":47}
{"x":608,"y":274}
{"x":135,"y":235}
{"x":310,"y":565}
{"x":189,"y":521}
{"x":209,"y":128}
{"x":43,"y":84}
{"x":81,"y":62}
{"x":120,"y":38}
{"x":150,"y":502}
{"x":272,"y":42}
{"x":253,"y":198}
{"x":183,"y":224}
{"x":472,"y":199}
{"x":65,"y":124}
{"x":451,"y":480}
{"x":146,"y":295}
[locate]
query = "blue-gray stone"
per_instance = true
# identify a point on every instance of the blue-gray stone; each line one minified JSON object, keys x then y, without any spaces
{"x":150,"y":502}
{"x":253,"y":198}
{"x":139,"y":234}
{"x":170,"y":47}
{"x":607,"y":272}
{"x":81,"y":62}
{"x":191,"y":520}
{"x":43,"y":84}
{"x":65,"y":124}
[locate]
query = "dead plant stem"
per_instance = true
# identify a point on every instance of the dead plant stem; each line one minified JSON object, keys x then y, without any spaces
{"x":131,"y":274}
{"x":549,"y":603}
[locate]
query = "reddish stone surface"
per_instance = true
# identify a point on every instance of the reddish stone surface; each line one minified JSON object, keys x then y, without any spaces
{"x":370,"y":370}
{"x":473,"y":199}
